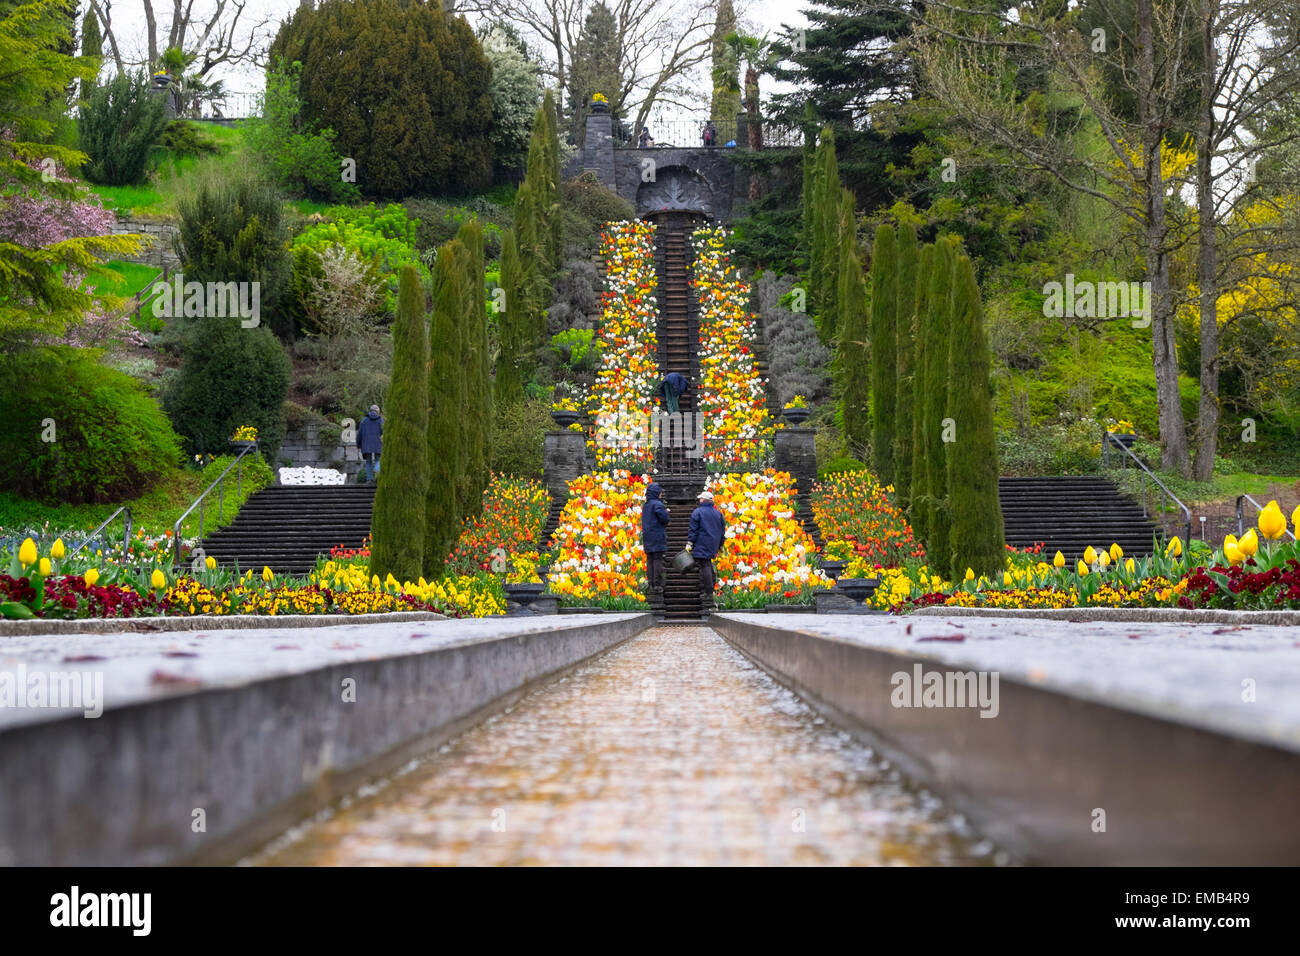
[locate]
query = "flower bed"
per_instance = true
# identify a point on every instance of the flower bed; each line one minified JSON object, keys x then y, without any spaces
{"x":765,"y":557}
{"x":732,"y":394}
{"x":629,"y":371}
{"x":513,"y":516}
{"x":597,"y":544}
{"x":860,"y":523}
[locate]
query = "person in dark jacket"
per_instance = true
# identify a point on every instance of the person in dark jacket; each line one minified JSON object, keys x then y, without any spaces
{"x":654,"y":537}
{"x":673,"y":385}
{"x":707,"y":532}
{"x":370,"y":440}
{"x":710,"y":134}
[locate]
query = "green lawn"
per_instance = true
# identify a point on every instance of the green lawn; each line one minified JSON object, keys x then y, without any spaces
{"x":156,"y":198}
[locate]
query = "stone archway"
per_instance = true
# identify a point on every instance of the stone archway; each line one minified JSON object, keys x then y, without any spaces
{"x":676,"y":188}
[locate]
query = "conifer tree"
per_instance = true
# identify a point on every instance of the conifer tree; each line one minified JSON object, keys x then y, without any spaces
{"x":853,"y":362}
{"x":444,"y":451}
{"x":555,"y":219}
{"x":936,"y":399}
{"x":511,"y":327}
{"x":398,"y":542}
{"x":904,"y":353}
{"x":919,"y":490}
{"x":478,"y":384}
{"x":976,"y":535}
{"x":884,"y":302}
{"x":826,"y":251}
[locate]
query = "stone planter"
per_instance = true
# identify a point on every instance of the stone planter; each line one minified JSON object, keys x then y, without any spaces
{"x":833,"y":569}
{"x":599,"y":107}
{"x":522,"y":596}
{"x":796,"y":416}
{"x":240,"y":445}
{"x":565,"y":418}
{"x":859,"y":589}
{"x":1124,"y":440}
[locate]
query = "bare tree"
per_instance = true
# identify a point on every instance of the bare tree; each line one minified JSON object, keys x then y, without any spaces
{"x":217,"y":34}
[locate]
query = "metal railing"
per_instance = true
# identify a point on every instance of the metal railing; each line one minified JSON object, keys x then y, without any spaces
{"x":1127,"y":455}
{"x":689,"y":134}
{"x":218,"y":484}
{"x":126,"y":530}
{"x":1241,"y":518}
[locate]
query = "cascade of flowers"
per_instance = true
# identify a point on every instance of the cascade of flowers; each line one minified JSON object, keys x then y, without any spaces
{"x":629,"y":368}
{"x":767,"y":550}
{"x":597,"y":542}
{"x":731,"y":390}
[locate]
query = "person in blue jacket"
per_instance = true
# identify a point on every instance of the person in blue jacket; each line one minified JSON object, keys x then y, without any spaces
{"x":707,"y":532}
{"x":654,"y":537}
{"x":671,"y":387}
{"x":370,"y":441}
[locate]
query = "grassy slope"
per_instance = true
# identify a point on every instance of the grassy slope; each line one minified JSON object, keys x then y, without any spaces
{"x":156,"y":198}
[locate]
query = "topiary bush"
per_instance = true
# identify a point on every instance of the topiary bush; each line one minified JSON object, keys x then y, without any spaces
{"x":77,"y":431}
{"x":518,"y":433}
{"x":119,"y":124}
{"x":230,"y":376}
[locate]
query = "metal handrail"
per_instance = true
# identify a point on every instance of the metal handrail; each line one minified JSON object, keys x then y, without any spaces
{"x":126,"y":530}
{"x":1107,"y":441}
{"x":198,"y":502}
{"x":1241,"y":527}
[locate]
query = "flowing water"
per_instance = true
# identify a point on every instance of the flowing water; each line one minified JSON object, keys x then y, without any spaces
{"x":672,"y":749}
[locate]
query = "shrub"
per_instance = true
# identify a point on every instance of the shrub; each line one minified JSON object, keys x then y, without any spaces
{"x":303,"y":162}
{"x":409,"y":99}
{"x":797,"y":360}
{"x":576,"y":296}
{"x":184,"y":139}
{"x":235,"y":232}
{"x":385,"y":238}
{"x":518,"y":432}
{"x":119,"y":124}
{"x":576,"y":348}
{"x":437,"y":221}
{"x":230,"y":376}
{"x":109,"y":440}
{"x":587,"y":205}
{"x":837,"y":465}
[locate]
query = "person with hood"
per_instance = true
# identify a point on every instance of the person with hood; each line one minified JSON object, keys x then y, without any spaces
{"x":654,"y":537}
{"x":673,"y":385}
{"x":369,"y":440}
{"x":704,"y":541}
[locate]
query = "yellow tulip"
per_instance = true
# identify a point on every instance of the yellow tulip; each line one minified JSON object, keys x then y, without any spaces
{"x":45,"y":565}
{"x":210,"y":562}
{"x":57,"y":551}
{"x":1175,"y":547}
{"x":91,"y":576}
{"x":1090,"y":556}
{"x":1295,"y":517}
{"x":1006,"y":579}
{"x":157,"y":579}
{"x":1104,"y":560}
{"x":970,"y":574}
{"x":1083,"y":568}
{"x":267,"y":576}
{"x":1272,"y":523}
{"x":27,"y":552}
{"x":1129,"y":566}
{"x":1116,"y":552}
{"x":1231,"y":553}
{"x":1059,"y":560}
{"x":1249,"y":543}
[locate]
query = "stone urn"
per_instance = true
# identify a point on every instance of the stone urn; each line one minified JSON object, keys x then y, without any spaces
{"x":796,"y":416}
{"x":598,"y":107}
{"x":832,"y":569}
{"x":240,"y":444}
{"x":859,"y":589}
{"x":524,"y":594}
{"x":564,"y":417}
{"x":1124,"y":440}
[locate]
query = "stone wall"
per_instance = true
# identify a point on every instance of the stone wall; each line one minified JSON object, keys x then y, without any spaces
{"x":306,"y":446}
{"x":161,"y":250}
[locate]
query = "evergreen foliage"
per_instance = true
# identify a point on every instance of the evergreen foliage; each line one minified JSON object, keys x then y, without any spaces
{"x":445,"y":451}
{"x":885,"y":282}
{"x":918,"y":489}
{"x":938,"y":328}
{"x":823,"y":277}
{"x":976,"y":535}
{"x":853,"y":363}
{"x":478,"y":376}
{"x":397,"y":538}
{"x":511,"y":331}
{"x":119,"y":124}
{"x":904,"y":357}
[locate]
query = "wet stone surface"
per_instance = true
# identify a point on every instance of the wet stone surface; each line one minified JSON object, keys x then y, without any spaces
{"x":670,"y":749}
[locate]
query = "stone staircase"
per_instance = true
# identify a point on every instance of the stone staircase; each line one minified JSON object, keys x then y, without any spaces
{"x":679,"y":316}
{"x":285,"y":527}
{"x":1070,"y":513}
{"x":682,"y":592}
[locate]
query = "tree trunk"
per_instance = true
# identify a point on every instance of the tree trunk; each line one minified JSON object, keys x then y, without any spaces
{"x":1173,"y":432}
{"x":1207,"y":419}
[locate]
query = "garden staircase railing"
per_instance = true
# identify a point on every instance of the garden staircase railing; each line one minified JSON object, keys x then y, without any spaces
{"x":1241,"y":516}
{"x":125,"y":511}
{"x":219,"y":485}
{"x":1127,"y":456}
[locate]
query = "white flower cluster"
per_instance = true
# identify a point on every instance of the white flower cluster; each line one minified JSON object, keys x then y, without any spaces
{"x":311,"y":476}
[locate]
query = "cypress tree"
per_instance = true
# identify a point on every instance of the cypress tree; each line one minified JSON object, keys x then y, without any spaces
{"x":510,"y":324}
{"x":919,"y":491}
{"x":554,"y":217}
{"x":936,"y":400}
{"x":904,"y":356}
{"x":809,"y":155}
{"x":853,"y":362}
{"x":398,"y":544}
{"x":444,"y":451}
{"x":884,"y":302}
{"x":826,"y":252}
{"x":976,"y":535}
{"x":478,"y":385}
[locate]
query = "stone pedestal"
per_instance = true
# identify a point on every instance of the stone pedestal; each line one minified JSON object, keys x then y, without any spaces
{"x":598,"y":148}
{"x":564,"y":457}
{"x":796,"y":452}
{"x":831,"y":601}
